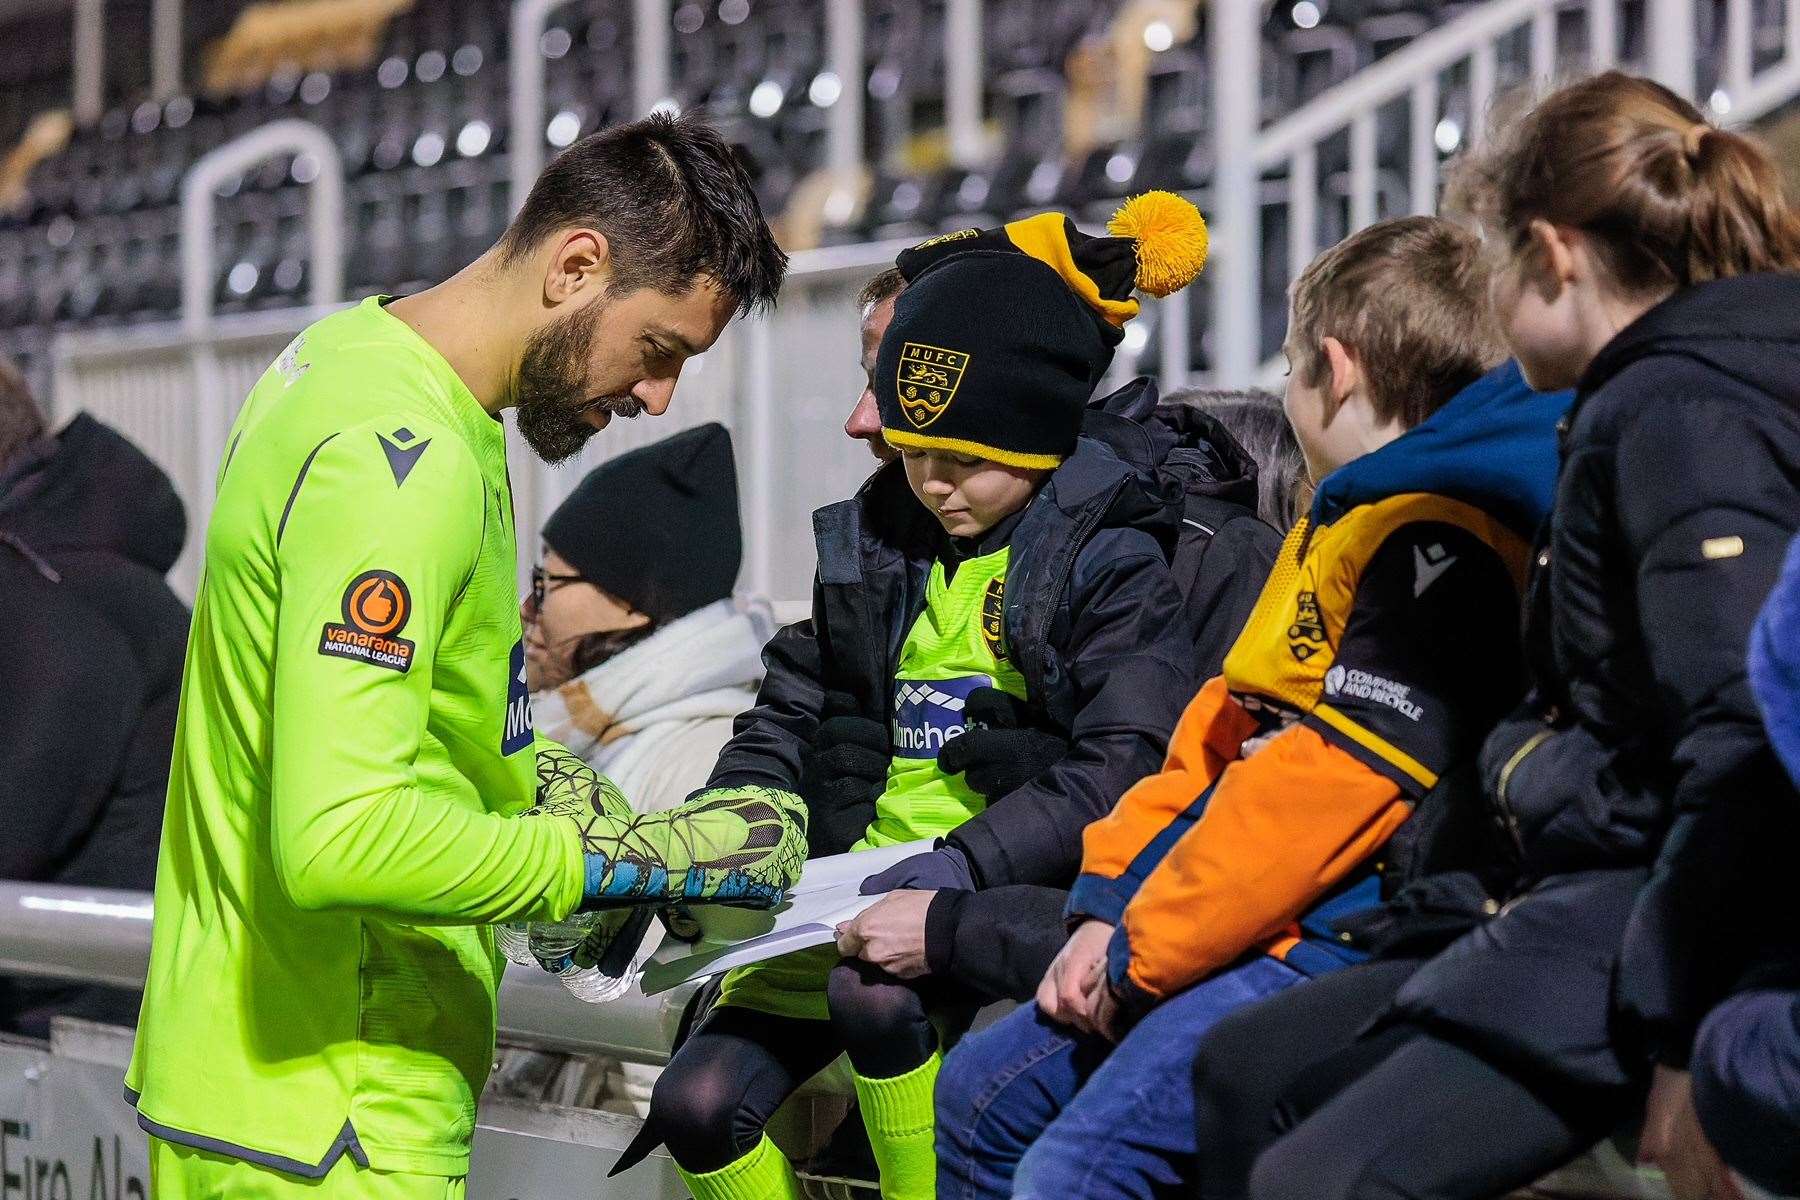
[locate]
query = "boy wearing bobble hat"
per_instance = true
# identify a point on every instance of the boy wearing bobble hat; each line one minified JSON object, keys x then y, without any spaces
{"x":1005,"y":558}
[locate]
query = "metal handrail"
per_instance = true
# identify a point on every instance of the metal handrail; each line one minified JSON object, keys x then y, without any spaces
{"x":102,"y":936}
{"x":88,"y":97}
{"x":1392,"y":77}
{"x":198,"y":201}
{"x":1412,"y":75}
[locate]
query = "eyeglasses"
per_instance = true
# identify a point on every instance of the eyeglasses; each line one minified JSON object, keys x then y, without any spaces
{"x":540,"y":581}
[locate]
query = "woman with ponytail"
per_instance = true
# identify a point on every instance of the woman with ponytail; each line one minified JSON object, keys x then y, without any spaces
{"x":1647,"y":259}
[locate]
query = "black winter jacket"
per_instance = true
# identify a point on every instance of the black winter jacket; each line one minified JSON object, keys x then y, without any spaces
{"x":1093,"y":621}
{"x":1638,"y":781}
{"x":91,"y":674}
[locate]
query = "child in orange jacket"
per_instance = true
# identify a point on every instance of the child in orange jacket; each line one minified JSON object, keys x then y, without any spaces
{"x":1383,"y":647}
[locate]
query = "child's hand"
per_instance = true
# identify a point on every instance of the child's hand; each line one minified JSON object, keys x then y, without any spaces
{"x":1104,"y":1004}
{"x":1004,"y":748}
{"x":1067,"y":994}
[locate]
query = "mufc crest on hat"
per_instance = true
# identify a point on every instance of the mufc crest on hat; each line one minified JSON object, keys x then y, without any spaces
{"x":927,"y":380}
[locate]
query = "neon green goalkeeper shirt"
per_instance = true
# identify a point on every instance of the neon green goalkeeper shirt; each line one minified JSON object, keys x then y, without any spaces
{"x":354,"y":738}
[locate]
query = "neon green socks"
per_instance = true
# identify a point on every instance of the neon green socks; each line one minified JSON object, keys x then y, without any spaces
{"x":762,"y":1174}
{"x":898,"y":1115}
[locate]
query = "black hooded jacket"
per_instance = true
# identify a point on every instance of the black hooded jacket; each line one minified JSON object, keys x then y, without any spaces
{"x":91,"y":673}
{"x":1093,"y":621}
{"x":1649,"y":812}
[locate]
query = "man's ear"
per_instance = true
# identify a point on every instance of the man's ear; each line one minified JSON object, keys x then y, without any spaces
{"x":580,"y":262}
{"x":1343,"y":375}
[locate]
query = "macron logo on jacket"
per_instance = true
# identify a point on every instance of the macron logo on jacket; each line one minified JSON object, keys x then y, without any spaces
{"x":1428,"y":564}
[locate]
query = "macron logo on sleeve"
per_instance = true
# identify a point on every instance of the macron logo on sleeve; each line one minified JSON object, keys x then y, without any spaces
{"x":403,"y":452}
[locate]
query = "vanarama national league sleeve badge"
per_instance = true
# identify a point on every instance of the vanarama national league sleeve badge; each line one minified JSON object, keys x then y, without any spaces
{"x":927,"y":379}
{"x":376,"y":607}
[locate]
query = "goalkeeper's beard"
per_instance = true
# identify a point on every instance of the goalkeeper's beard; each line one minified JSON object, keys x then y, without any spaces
{"x":550,"y":390}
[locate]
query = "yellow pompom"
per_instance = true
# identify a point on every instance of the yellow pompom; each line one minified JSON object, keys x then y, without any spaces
{"x":1171,"y":240}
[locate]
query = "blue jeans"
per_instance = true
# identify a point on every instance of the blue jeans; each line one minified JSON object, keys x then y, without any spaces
{"x":1031,"y":1108}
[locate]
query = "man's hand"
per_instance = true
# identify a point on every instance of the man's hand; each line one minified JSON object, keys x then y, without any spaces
{"x":890,"y":933}
{"x":1004,"y":749}
{"x":741,"y":846}
{"x":1674,"y":1141}
{"x":1068,"y":992}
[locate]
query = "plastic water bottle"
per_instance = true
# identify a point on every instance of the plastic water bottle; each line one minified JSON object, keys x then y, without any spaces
{"x":538,"y":943}
{"x":552,"y":941}
{"x":623,"y":959}
{"x":514,"y":942}
{"x":593,"y":985}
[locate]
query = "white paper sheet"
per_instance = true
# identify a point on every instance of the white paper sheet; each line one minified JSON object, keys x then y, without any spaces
{"x":828,"y":893}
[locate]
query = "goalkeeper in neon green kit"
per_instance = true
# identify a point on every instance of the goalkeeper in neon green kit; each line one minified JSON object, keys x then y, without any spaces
{"x":354,"y":758}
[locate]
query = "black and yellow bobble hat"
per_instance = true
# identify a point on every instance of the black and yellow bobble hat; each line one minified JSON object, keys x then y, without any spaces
{"x":1002,"y":334}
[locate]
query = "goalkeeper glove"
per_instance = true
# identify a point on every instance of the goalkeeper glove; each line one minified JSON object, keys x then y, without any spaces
{"x":736,"y":846}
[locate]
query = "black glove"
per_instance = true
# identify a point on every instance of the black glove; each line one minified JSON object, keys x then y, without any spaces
{"x":1004,"y":748}
{"x":843,"y":775}
{"x":934,"y":870}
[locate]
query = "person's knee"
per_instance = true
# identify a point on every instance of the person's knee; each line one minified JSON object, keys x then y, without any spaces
{"x":1050,"y":1168}
{"x":881,"y":1020}
{"x":697,"y":1107}
{"x":875,"y":1003}
{"x":1746,"y":1073}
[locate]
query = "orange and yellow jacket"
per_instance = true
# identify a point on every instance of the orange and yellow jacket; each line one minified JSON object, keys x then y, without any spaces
{"x":1383,"y":647}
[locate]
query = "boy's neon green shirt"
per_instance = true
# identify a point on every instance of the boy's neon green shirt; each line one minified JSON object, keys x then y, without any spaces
{"x":353,"y":740}
{"x":952,"y":649}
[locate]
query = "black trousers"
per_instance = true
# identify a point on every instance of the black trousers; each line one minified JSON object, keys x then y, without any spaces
{"x":1294,"y":1105}
{"x":727,"y":1080}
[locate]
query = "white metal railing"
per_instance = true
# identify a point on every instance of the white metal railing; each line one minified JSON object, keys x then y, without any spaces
{"x":1467,"y":52}
{"x":199,"y":198}
{"x":165,"y":48}
{"x":102,"y":935}
{"x":525,"y":95}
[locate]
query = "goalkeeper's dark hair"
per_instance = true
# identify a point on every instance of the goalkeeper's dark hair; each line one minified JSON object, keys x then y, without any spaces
{"x":673,"y":202}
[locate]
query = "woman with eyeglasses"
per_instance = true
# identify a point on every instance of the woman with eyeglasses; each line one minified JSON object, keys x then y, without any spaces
{"x":638,"y":658}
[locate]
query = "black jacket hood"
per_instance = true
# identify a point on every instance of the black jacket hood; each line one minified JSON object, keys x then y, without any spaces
{"x":1193,"y":446}
{"x":88,"y":488}
{"x":1747,"y":326}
